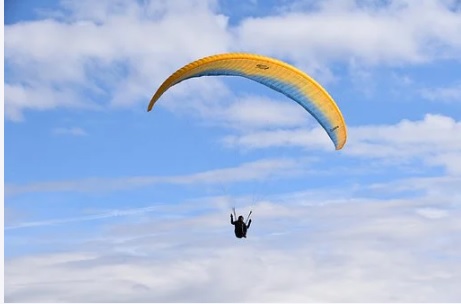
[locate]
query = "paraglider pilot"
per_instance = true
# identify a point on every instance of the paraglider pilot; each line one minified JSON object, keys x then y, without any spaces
{"x":240,"y":226}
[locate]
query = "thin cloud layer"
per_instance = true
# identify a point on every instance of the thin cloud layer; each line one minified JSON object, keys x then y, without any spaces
{"x":74,"y":131}
{"x":443,"y":94}
{"x":235,"y":112}
{"x":257,"y":170}
{"x":351,"y":247}
{"x":430,"y":141}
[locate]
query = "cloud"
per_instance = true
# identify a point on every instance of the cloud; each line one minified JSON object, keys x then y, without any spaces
{"x":246,"y":112}
{"x":395,"y":250}
{"x":105,"y":215}
{"x":443,"y":94}
{"x":116,"y":53}
{"x":436,"y":188}
{"x":431,"y":140}
{"x":35,"y":97}
{"x":256,"y":170}
{"x":401,"y":249}
{"x":258,"y":112}
{"x":119,"y":49}
{"x":374,"y":33}
{"x":314,"y":138}
{"x":428,"y":140}
{"x":75,"y":131}
{"x":347,"y":239}
{"x":432,"y":213}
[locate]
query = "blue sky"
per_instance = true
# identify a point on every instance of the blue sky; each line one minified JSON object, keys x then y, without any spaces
{"x":107,"y":202}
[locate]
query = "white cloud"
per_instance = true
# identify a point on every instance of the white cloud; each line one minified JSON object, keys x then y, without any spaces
{"x":432,"y":140}
{"x":124,"y":50}
{"x":443,"y":94}
{"x":314,"y":138}
{"x":254,"y":112}
{"x":323,"y":245}
{"x":105,"y":215}
{"x":367,"y":249}
{"x":36,"y":97}
{"x":437,"y":189}
{"x":450,"y":160}
{"x":116,"y":45}
{"x":250,"y":171}
{"x":395,"y":32}
{"x":248,"y":112}
{"x":432,"y":213}
{"x":400,"y":250}
{"x":429,"y":140}
{"x":75,"y":131}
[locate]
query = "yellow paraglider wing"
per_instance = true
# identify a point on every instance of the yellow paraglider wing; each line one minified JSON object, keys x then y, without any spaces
{"x":275,"y":74}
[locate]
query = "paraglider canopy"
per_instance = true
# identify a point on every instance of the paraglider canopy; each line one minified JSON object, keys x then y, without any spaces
{"x":275,"y":74}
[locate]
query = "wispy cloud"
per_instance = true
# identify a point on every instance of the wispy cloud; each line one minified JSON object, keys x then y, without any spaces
{"x":257,"y":170}
{"x":75,"y":131}
{"x":443,"y":94}
{"x":105,"y":215}
{"x":241,"y":113}
{"x":312,"y":138}
{"x":429,"y":141}
{"x":351,"y":245}
{"x":257,"y":112}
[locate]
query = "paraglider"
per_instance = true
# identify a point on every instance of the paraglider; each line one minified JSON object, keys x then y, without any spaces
{"x":241,"y":226}
{"x":273,"y":73}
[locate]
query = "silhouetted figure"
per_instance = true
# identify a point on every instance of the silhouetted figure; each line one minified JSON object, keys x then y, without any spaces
{"x":240,"y":226}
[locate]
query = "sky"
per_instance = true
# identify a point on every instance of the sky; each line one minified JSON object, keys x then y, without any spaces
{"x":106,"y":202}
